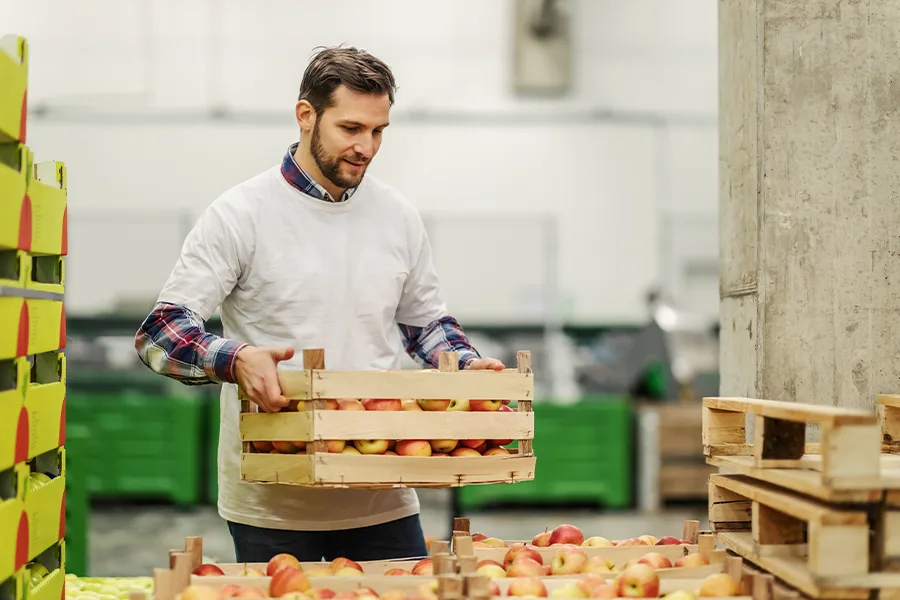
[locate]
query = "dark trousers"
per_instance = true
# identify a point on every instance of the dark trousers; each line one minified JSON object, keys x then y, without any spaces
{"x":402,"y":538}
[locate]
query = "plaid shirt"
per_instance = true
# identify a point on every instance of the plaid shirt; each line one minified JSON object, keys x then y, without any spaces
{"x":173,"y":341}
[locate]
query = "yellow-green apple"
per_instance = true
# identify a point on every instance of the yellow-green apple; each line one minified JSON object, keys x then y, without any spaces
{"x":208,"y":569}
{"x":396,"y":572}
{"x":458,"y":406}
{"x":350,"y":450}
{"x":692,"y":560}
{"x":597,"y":541}
{"x":382,"y":404}
{"x":465,"y":452}
{"x":394,"y":595}
{"x":655,"y":560}
{"x":423,"y":567}
{"x":497,"y":451}
{"x":248,"y":572}
{"x":251,"y":592}
{"x":719,"y":585}
{"x":410,"y":405}
{"x":651,"y":540}
{"x":566,"y":534}
{"x":331,"y":404}
{"x":285,"y":447}
{"x":320,"y":594}
{"x":262,"y":446}
{"x":490,"y":568}
{"x":527,"y":586}
{"x":541,"y":540}
{"x":569,"y":590}
{"x":350,"y":404}
{"x":517,"y":551}
{"x":322,"y":571}
{"x":588,"y":583}
{"x":668,"y":540}
{"x":493,"y":542}
{"x":371,"y":446}
{"x":343,"y":567}
{"x":485,"y":405}
{"x":632,"y":542}
{"x":390,"y":453}
{"x":336,"y":446}
{"x":568,"y":561}
{"x":433,"y":405}
{"x":199,"y":592}
{"x":637,"y":581}
{"x":286,"y":580}
{"x":445,"y":446}
{"x":413,"y":448}
{"x":599,"y":564}
{"x":428,"y":591}
{"x":280,"y":561}
{"x":525,"y":567}
{"x":680,"y":595}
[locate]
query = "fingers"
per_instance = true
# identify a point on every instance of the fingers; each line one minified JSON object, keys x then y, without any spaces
{"x":486,"y":364}
{"x":280,"y":354}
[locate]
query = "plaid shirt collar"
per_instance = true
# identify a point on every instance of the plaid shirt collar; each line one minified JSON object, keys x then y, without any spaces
{"x":298,"y":178}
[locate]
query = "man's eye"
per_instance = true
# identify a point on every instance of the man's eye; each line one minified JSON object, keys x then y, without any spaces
{"x":351,"y":129}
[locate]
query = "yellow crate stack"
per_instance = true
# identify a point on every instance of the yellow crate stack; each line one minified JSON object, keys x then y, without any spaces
{"x":33,"y":244}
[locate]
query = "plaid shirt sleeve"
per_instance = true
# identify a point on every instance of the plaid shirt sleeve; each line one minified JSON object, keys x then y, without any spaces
{"x":173,"y":341}
{"x":424,"y":344}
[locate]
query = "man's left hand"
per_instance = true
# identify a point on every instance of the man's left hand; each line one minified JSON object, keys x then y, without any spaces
{"x":485,"y":364}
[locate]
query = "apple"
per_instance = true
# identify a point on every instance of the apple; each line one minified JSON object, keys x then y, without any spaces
{"x":331,"y":404}
{"x":719,"y":585}
{"x":229,"y":590}
{"x":492,"y":542}
{"x":681,"y":595}
{"x":566,"y":534}
{"x":390,"y":453}
{"x":319,"y":572}
{"x":423,"y":567}
{"x":655,"y":560}
{"x":494,"y":589}
{"x":604,"y":591}
{"x":199,"y":592}
{"x":394,"y":595}
{"x":599,"y":564}
{"x":568,"y":562}
{"x":525,"y":567}
{"x":496,"y":452}
{"x":410,"y":405}
{"x":413,"y":448}
{"x":382,"y":404}
{"x":262,"y":446}
{"x":433,"y":405}
{"x":396,"y":572}
{"x":491,"y":569}
{"x":340,"y":564}
{"x":336,"y":446}
{"x":252,"y":573}
{"x":637,"y":581}
{"x":632,"y":542}
{"x":320,"y":593}
{"x":478,"y":537}
{"x":668,"y":540}
{"x":529,"y":586}
{"x":445,"y":446}
{"x":349,"y":450}
{"x":285,"y":447}
{"x":471,"y":443}
{"x":458,"y":406}
{"x":349,"y":404}
{"x":346,"y":595}
{"x":569,"y":590}
{"x":286,"y":580}
{"x":465,"y":452}
{"x":588,"y":583}
{"x":366,"y":591}
{"x":485,"y":405}
{"x":597,"y":541}
{"x":541,"y":540}
{"x":371,"y":446}
{"x":692,"y":560}
{"x":280,"y":561}
{"x":428,"y":591}
{"x":208,"y":569}
{"x":517,"y":551}
{"x":651,"y":540}
{"x":252,"y":592}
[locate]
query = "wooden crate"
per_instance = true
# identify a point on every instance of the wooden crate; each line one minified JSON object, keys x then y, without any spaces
{"x":315,"y":425}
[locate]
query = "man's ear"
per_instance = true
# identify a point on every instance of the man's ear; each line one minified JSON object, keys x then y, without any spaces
{"x":306,"y":116}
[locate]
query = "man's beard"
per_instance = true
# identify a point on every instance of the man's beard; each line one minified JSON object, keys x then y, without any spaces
{"x":331,"y":166}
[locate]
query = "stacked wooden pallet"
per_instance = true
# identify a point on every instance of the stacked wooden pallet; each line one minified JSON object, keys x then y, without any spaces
{"x":822,"y":518}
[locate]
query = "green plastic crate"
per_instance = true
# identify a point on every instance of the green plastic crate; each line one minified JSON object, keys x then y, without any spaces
{"x":212,"y":450}
{"x":77,"y":503}
{"x":584,"y":456}
{"x":140,"y":445}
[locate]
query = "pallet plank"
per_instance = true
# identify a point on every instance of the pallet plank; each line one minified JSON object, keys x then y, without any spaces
{"x":508,"y":384}
{"x":794,"y":411}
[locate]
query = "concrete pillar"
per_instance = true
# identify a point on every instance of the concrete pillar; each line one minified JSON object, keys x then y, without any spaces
{"x":810,"y":199}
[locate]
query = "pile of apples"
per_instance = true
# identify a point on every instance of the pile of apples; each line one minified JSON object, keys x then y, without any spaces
{"x":339,"y":567}
{"x":106,"y":588}
{"x":402,"y":447}
{"x":637,"y":581}
{"x":569,"y":535}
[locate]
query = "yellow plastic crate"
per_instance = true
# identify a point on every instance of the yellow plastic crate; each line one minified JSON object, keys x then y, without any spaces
{"x":51,"y":587}
{"x":15,"y":207}
{"x":45,"y":505}
{"x":14,"y":542}
{"x":45,"y":401}
{"x":49,"y":210}
{"x":13,"y":88}
{"x":13,"y":414}
{"x":31,"y":326}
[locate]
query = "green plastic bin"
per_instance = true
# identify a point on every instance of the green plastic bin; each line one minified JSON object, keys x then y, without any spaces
{"x":212,"y":450}
{"x":77,"y":503}
{"x":584,"y":456}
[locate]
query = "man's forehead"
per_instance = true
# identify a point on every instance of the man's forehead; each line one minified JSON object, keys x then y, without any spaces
{"x":359,"y":106}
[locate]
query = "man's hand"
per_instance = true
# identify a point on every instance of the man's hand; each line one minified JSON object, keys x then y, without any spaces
{"x":254,"y":369}
{"x":485,"y":364}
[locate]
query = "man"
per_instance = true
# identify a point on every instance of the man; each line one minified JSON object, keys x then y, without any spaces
{"x":308,"y":254}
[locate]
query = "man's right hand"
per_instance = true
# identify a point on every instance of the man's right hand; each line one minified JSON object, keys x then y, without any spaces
{"x":254,"y":369}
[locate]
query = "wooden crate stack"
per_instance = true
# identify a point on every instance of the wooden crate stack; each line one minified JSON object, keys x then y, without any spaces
{"x":316,"y":425}
{"x":823,"y":519}
{"x":33,"y":242}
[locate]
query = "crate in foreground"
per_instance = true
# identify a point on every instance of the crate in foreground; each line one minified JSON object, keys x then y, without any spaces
{"x":438,"y":439}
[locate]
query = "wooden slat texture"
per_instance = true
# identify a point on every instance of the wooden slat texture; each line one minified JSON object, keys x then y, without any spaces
{"x":294,"y":385}
{"x":794,"y":411}
{"x":391,"y":425}
{"x":464,"y":385}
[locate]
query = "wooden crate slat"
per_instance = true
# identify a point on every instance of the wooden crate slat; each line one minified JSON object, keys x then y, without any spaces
{"x":508,"y":384}
{"x":794,"y":411}
{"x":391,"y":425}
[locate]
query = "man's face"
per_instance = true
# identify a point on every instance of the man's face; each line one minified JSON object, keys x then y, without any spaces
{"x":347,"y":135}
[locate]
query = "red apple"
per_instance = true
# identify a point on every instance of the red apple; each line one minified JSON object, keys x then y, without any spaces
{"x":336,"y":446}
{"x":208,"y":569}
{"x":341,"y":564}
{"x":637,"y":581}
{"x":632,"y":542}
{"x":350,"y":404}
{"x":410,"y":405}
{"x":588,"y":583}
{"x":525,"y":567}
{"x":655,"y":560}
{"x":371,"y":446}
{"x":382,"y":404}
{"x":229,"y":590}
{"x":320,"y":594}
{"x":285,"y":447}
{"x":541,"y":540}
{"x":280,"y":561}
{"x":566,"y":534}
{"x":396,"y":572}
{"x":199,"y":592}
{"x":530,"y":586}
{"x":484,"y":405}
{"x":668,"y":540}
{"x":719,"y":585}
{"x":458,"y":406}
{"x":251,"y":592}
{"x":413,"y":448}
{"x":445,"y":446}
{"x":517,"y":551}
{"x":262,"y":446}
{"x":497,"y":451}
{"x":478,"y":537}
{"x":599,"y":564}
{"x":471,"y":443}
{"x":331,"y":404}
{"x":423,"y":567}
{"x":494,"y":590}
{"x":286,"y":580}
{"x":568,"y":561}
{"x":692,"y":560}
{"x":465,"y":452}
{"x":433,"y":405}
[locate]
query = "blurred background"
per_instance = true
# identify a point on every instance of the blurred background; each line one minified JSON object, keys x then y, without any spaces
{"x":575,"y":142}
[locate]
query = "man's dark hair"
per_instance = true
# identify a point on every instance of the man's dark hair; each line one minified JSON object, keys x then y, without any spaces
{"x":355,"y":69}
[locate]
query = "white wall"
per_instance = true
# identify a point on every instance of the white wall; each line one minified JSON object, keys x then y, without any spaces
{"x":478,"y":151}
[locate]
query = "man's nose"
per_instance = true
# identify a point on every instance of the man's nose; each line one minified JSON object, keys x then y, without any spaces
{"x":365,"y":148}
